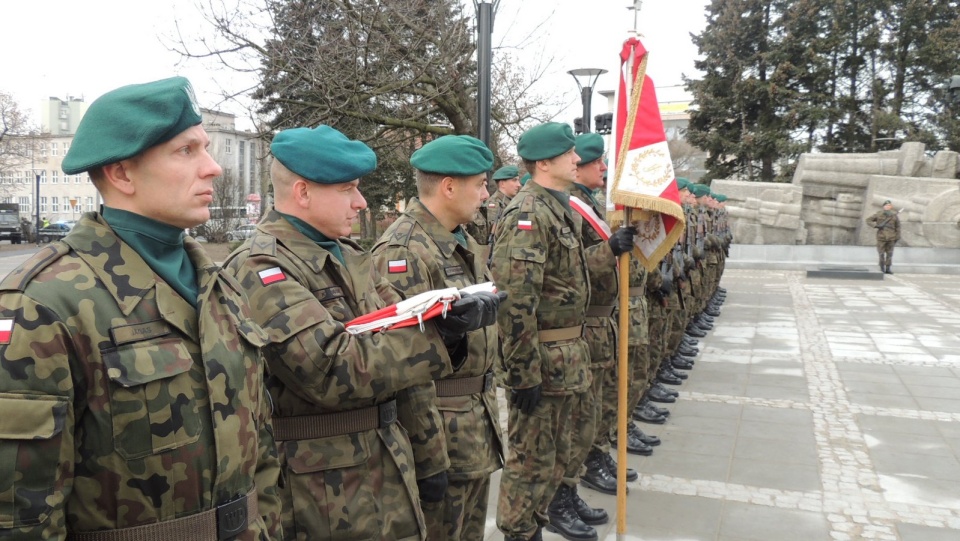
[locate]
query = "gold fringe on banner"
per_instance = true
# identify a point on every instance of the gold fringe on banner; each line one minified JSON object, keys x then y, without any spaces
{"x":642,"y":202}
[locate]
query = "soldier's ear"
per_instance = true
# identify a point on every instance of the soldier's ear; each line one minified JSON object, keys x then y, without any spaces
{"x":116,"y":177}
{"x":446,"y":187}
{"x":301,"y":193}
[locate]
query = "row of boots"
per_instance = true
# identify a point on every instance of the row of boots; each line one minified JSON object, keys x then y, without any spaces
{"x":570,"y":516}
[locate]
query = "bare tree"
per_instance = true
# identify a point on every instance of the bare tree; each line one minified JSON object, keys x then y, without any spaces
{"x":684,"y":156}
{"x":228,"y":210}
{"x":17,"y":140}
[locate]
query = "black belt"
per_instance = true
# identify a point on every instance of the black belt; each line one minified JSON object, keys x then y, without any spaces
{"x":324,"y":425}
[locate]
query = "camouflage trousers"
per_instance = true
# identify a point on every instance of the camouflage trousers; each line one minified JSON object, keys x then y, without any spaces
{"x":657,"y":333}
{"x":462,"y":516}
{"x":885,"y":251}
{"x":585,"y":431}
{"x":538,"y":451}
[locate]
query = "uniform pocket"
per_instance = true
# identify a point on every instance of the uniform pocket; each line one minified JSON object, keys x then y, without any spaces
{"x":31,"y":433}
{"x":153,"y":400}
{"x":332,"y":493}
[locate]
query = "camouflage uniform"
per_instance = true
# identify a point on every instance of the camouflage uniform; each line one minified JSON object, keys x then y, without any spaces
{"x":638,"y":342}
{"x":344,"y":479}
{"x":120,"y":403}
{"x":887,"y":223}
{"x":539,"y":260}
{"x":434,"y":260}
{"x":601,"y":336}
{"x":496,"y":205}
{"x":479,"y":228}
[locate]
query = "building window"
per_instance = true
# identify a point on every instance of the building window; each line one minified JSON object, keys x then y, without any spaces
{"x":228,"y":146}
{"x":241,"y":160}
{"x":43,"y":150}
{"x":54,"y":149}
{"x":43,"y":176}
{"x":54,"y":176}
{"x":66,"y":147}
{"x":24,"y":202}
{"x":89,"y":204}
{"x":43,"y":204}
{"x":54,"y":204}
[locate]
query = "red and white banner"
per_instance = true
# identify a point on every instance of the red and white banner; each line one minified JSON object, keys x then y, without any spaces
{"x":643,"y":178}
{"x":415,"y":310}
{"x":6,"y":330}
{"x":588,"y":214}
{"x":271,"y":276}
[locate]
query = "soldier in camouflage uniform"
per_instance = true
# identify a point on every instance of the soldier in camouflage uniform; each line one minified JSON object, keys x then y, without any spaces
{"x":538,"y":259}
{"x":592,"y":436}
{"x":348,"y":466}
{"x":434,"y":252}
{"x":132,"y":403}
{"x":887,"y":224}
{"x":508,"y":184}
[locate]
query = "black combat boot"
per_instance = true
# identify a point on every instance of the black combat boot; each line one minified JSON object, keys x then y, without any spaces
{"x":672,"y":392}
{"x":687,"y":351}
{"x":668,"y":378}
{"x":647,"y":415}
{"x":564,"y":519}
{"x":658,"y":394}
{"x":888,"y":271}
{"x":666,"y":367}
{"x":632,"y":474}
{"x":598,"y":477}
{"x":695,"y":332}
{"x":645,"y":403}
{"x":647,"y":439}
{"x":681,"y":363}
{"x":589,"y":515}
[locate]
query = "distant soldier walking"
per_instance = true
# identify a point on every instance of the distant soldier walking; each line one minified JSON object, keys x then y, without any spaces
{"x":887,"y":223}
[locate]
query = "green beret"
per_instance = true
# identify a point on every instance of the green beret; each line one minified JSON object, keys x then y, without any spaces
{"x":545,"y":141}
{"x":589,"y":146}
{"x":683,"y":184}
{"x":720,"y":197}
{"x":323,"y":155}
{"x":699,"y":190}
{"x":454,"y":155}
{"x":124,"y":122}
{"x":887,"y":202}
{"x":506,"y":172}
{"x":524,"y":178}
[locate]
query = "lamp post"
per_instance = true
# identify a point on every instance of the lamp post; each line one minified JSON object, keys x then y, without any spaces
{"x":36,"y":206}
{"x":589,"y":76}
{"x":485,"y":12}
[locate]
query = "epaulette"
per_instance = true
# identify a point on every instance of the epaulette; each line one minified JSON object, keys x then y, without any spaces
{"x":261,"y":244}
{"x":401,"y":236}
{"x":527,"y":205}
{"x":18,"y":279}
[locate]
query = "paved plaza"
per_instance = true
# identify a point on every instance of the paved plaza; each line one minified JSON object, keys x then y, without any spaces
{"x":817,"y":410}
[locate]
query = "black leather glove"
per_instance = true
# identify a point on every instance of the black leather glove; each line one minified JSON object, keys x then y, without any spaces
{"x":491,"y":304}
{"x":433,"y":488}
{"x":463,"y":315}
{"x":622,"y":240}
{"x":526,"y":400}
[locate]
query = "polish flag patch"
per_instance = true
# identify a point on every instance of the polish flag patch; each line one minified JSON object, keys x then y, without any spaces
{"x":6,"y":329}
{"x":397,"y":266}
{"x":525,"y":225}
{"x":272,"y":276}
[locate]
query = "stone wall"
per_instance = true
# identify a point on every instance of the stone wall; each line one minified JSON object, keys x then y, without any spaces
{"x":832,"y":194}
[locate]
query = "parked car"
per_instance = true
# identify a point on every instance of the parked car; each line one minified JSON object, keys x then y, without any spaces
{"x":242,"y":233}
{"x":54,"y":231}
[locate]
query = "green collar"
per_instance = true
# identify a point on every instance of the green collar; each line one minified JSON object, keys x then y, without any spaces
{"x":319,"y":238}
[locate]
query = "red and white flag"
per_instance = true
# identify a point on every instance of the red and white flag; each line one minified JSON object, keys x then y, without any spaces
{"x":6,"y":329}
{"x":643,"y":178}
{"x":271,"y":276}
{"x":415,"y":310}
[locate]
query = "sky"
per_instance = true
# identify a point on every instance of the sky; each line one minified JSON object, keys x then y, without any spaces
{"x":65,"y":48}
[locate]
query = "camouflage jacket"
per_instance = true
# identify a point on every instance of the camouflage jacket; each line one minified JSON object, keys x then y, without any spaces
{"x":496,"y":205}
{"x":638,"y":303}
{"x":433,"y":259}
{"x":539,"y":261}
{"x":601,"y":330}
{"x":120,"y":403}
{"x":479,"y":227}
{"x":358,"y":485}
{"x":887,"y":225}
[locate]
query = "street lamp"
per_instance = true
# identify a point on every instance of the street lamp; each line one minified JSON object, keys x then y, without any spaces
{"x":36,"y":206}
{"x":589,"y":76}
{"x":485,"y":12}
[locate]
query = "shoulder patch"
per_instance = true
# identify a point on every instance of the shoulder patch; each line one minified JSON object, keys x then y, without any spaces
{"x":271,"y":276}
{"x":401,"y":236}
{"x":261,"y":244}
{"x":396,"y":266}
{"x":18,"y":279}
{"x":6,"y":330}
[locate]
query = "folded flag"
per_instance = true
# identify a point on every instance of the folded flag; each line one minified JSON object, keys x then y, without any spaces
{"x":643,"y":179}
{"x":415,"y":310}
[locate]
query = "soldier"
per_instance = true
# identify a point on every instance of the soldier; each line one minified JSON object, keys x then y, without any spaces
{"x":508,"y":184}
{"x":436,"y":253}
{"x":348,"y":466}
{"x":132,"y":403}
{"x":539,"y":261}
{"x":592,"y":436}
{"x":887,"y":224}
